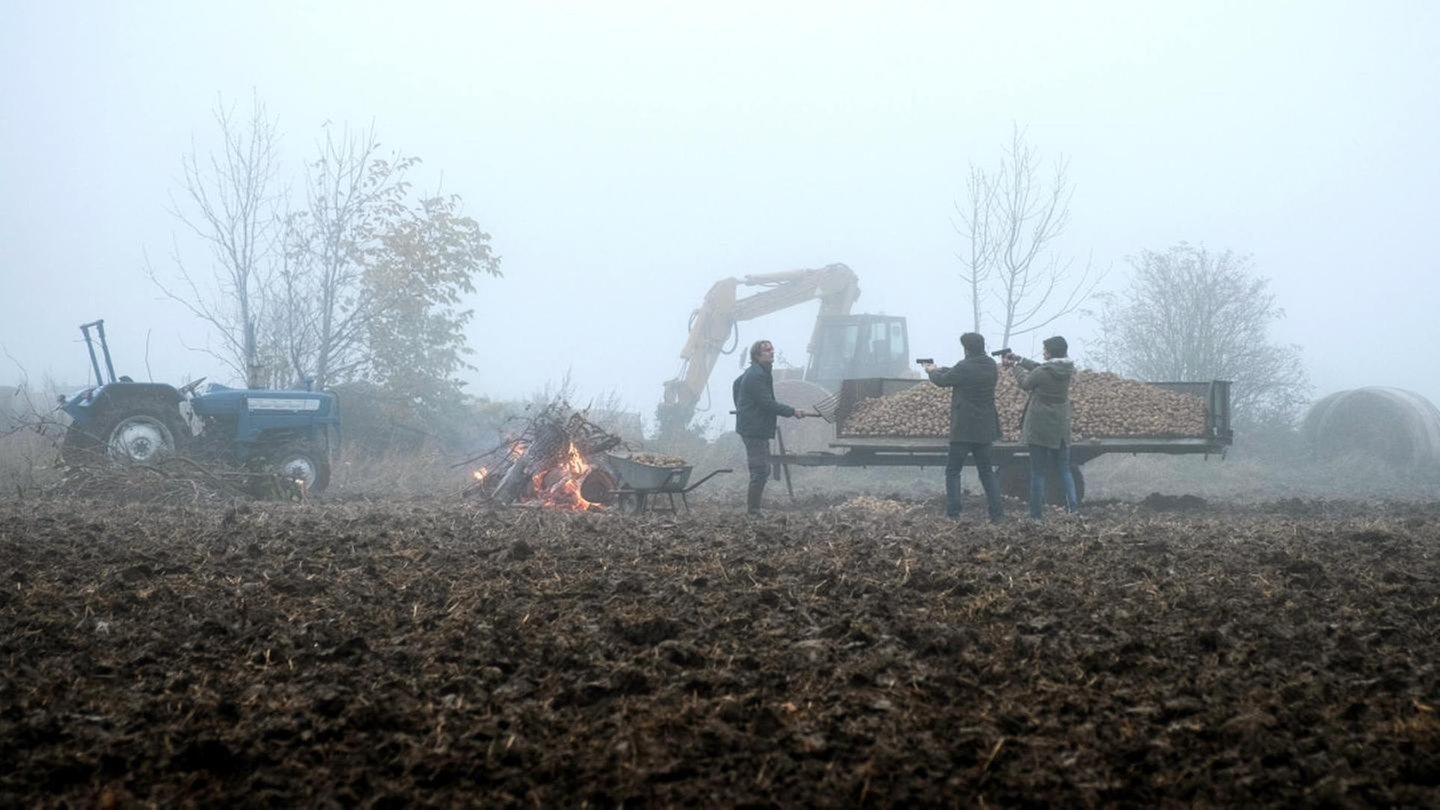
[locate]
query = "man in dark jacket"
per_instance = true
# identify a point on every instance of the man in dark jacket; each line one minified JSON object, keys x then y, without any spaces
{"x":974,"y":421}
{"x":1046,"y":424}
{"x":755,"y":414}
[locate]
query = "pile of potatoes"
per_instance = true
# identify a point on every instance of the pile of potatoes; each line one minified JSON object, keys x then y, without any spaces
{"x":870,"y":505}
{"x":658,"y":460}
{"x":1103,"y":405}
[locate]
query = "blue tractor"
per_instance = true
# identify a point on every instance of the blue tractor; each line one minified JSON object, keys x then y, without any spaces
{"x":289,"y":433}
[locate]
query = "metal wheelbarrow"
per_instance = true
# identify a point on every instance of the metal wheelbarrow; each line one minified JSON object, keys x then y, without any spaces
{"x":641,"y":484}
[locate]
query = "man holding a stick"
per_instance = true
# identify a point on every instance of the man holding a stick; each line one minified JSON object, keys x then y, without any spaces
{"x":756,"y":411}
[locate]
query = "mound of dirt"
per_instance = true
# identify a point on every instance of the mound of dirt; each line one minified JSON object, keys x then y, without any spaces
{"x":1173,"y":503}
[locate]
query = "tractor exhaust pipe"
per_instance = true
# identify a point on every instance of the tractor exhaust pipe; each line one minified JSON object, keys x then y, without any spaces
{"x":104,"y":348}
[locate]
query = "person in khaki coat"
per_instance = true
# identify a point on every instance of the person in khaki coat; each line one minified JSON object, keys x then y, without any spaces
{"x":1045,"y":427}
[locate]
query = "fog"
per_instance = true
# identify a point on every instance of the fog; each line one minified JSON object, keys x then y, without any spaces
{"x":625,"y":156}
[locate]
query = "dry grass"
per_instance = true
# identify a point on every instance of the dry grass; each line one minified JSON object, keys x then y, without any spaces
{"x":1249,"y":480}
{"x":29,"y":460}
{"x":427,"y":472}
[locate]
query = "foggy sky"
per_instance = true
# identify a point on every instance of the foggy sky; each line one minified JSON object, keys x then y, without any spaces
{"x":625,"y":156}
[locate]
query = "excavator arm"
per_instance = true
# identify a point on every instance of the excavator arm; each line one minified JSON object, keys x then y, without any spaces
{"x":712,"y":325}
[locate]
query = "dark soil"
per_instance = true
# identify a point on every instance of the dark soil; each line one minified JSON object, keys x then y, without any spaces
{"x":431,"y":654}
{"x":1156,"y":502}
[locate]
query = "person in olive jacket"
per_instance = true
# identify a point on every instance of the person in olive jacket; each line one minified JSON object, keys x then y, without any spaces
{"x":1046,"y":424}
{"x":974,"y":421}
{"x":755,"y":414}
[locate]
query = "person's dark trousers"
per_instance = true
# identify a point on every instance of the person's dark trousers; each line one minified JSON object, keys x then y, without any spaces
{"x":757,"y":460}
{"x":955,"y":461}
{"x":1043,"y":459}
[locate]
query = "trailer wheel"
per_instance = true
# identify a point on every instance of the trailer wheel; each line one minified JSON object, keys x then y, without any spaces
{"x":1015,"y":480}
{"x":1015,"y":483}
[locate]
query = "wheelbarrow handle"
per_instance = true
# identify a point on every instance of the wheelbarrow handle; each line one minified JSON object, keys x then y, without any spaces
{"x":706,"y":478}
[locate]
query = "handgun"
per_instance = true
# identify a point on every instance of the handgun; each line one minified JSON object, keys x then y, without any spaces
{"x":920,"y":361}
{"x":1000,"y":352}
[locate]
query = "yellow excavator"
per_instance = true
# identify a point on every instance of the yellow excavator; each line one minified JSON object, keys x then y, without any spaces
{"x":842,"y":345}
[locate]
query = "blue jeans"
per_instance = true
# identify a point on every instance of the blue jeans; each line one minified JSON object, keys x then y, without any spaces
{"x":955,"y":461}
{"x":1043,"y":459}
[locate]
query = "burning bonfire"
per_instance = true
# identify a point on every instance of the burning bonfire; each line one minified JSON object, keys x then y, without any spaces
{"x":557,"y":461}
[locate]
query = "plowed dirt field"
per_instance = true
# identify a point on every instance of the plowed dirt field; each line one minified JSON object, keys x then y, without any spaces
{"x":429,"y":653}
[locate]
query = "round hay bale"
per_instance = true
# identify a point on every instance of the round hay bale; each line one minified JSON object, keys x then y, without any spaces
{"x":1396,"y":426}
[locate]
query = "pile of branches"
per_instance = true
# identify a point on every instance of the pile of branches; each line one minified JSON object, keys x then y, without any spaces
{"x":544,"y":443}
{"x":173,"y":480}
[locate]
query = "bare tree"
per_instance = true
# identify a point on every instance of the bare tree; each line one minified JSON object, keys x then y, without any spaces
{"x":1190,"y":314}
{"x":357,"y":275}
{"x":231,"y":203}
{"x":353,"y":195}
{"x":1011,"y":222}
{"x":974,"y":223}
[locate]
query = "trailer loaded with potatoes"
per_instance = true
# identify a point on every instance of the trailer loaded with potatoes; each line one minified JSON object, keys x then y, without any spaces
{"x":905,"y":422}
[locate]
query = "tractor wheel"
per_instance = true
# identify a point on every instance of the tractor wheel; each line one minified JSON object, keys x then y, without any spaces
{"x":139,"y":436}
{"x":303,"y":463}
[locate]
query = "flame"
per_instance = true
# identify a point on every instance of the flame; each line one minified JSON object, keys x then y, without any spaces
{"x":557,"y":486}
{"x":576,"y":462}
{"x":567,"y":476}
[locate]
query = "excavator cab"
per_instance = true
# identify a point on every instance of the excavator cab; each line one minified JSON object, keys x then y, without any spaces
{"x":850,"y":346}
{"x":843,"y":346}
